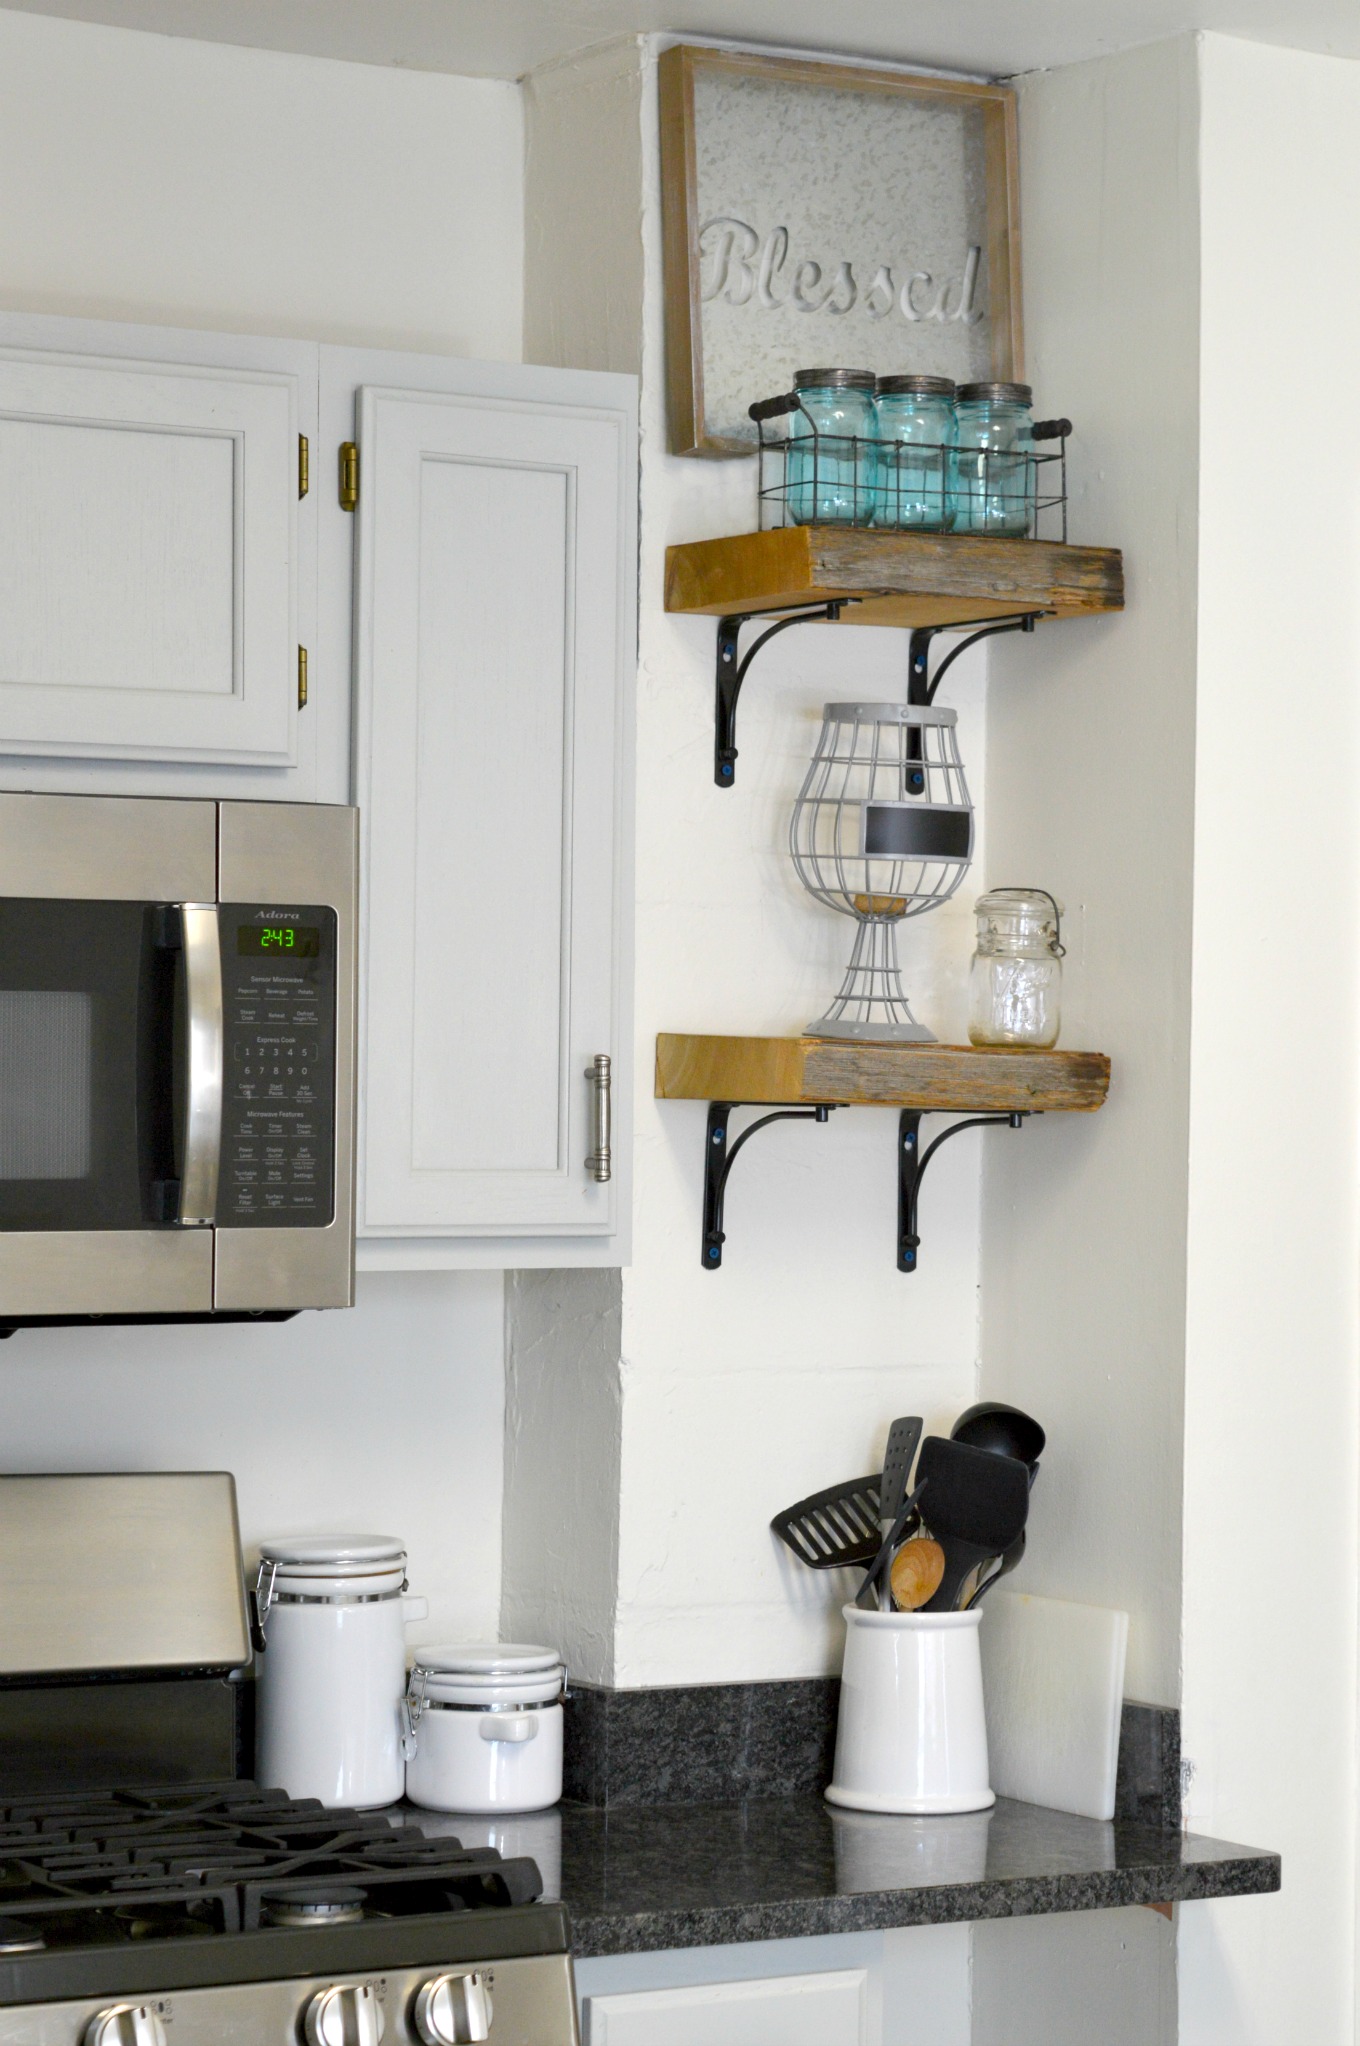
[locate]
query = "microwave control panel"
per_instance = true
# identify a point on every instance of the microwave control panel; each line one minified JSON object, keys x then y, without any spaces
{"x":278,"y":1066}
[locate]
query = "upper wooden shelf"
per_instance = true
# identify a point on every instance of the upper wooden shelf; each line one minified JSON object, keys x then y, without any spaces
{"x":811,"y":1071}
{"x":935,"y":579}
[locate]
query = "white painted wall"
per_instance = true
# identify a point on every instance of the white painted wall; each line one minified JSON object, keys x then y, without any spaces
{"x":160,"y":180}
{"x":1091,"y":746}
{"x":741,"y":1390}
{"x":1090,"y":787}
{"x":1271,"y":1323}
{"x":150,"y":178}
{"x":385,"y":1417}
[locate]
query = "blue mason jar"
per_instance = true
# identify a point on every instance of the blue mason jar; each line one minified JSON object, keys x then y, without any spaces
{"x":992,"y":467}
{"x":915,"y":433}
{"x":831,"y":472}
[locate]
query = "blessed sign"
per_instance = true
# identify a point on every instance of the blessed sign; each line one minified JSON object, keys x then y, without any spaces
{"x":827,"y":214}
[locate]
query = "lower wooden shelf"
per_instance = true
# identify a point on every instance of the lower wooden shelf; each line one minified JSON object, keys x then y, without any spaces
{"x":810,"y":1071}
{"x":806,"y":1078}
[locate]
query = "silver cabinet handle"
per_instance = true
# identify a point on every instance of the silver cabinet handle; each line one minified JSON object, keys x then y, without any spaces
{"x":203,"y":1110}
{"x":600,"y":1164}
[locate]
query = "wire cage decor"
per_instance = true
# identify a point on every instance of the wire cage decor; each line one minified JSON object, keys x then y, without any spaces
{"x":809,"y":476}
{"x":882,"y":830}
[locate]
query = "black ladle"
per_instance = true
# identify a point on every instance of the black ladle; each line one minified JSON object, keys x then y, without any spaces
{"x":1003,"y":1430}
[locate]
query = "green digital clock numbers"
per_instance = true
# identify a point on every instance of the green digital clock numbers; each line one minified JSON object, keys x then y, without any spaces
{"x":278,"y":941}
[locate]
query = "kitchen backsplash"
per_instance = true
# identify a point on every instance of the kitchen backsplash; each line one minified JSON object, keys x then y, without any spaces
{"x":696,"y":1743}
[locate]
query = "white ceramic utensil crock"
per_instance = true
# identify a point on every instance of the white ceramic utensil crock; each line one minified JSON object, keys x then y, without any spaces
{"x":332,"y":1672}
{"x":484,"y":1728}
{"x":912,"y":1733}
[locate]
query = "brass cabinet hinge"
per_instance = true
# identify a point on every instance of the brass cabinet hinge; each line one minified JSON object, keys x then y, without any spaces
{"x":302,"y":678}
{"x":304,"y":466}
{"x":349,"y":475}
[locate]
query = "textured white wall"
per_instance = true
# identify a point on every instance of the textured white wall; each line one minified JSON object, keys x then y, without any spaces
{"x":743,"y":1389}
{"x":160,"y":180}
{"x":1271,"y":1334}
{"x":563,"y":1406}
{"x":1090,"y":793}
{"x":1091,"y":746}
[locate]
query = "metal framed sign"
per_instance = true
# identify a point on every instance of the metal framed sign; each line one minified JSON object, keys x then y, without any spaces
{"x":829,"y":213}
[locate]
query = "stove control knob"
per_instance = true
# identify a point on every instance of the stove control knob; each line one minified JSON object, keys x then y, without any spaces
{"x":454,"y":2010}
{"x":127,"y":2024}
{"x":348,"y":2015}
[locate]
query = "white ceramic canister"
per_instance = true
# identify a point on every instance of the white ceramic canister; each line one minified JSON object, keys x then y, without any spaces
{"x":332,"y":1672}
{"x":912,"y":1733}
{"x":485,"y":1728}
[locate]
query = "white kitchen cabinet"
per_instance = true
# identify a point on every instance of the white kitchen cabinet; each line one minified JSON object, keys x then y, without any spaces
{"x":150,"y":550}
{"x":494,"y":656}
{"x":795,"y":2010}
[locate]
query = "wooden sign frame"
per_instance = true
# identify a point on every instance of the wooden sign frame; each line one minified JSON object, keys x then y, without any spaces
{"x":689,"y":430}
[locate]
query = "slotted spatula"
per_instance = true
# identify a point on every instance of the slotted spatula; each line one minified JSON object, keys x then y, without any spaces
{"x":833,"y":1529}
{"x":976,"y":1507}
{"x":903,"y":1437}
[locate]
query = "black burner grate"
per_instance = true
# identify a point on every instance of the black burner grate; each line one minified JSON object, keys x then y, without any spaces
{"x":211,"y":1858}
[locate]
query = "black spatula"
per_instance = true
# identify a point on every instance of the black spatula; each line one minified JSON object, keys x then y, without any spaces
{"x":831,"y":1529}
{"x":976,"y":1507}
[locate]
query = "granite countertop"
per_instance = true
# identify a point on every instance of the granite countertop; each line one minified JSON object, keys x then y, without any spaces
{"x":639,"y":1880}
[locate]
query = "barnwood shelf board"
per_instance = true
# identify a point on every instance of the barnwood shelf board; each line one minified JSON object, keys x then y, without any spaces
{"x":909,"y":579}
{"x":811,"y":1071}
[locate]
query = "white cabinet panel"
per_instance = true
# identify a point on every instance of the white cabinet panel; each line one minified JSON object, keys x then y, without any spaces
{"x":148,"y":558}
{"x":795,"y":2010}
{"x":494,"y":663}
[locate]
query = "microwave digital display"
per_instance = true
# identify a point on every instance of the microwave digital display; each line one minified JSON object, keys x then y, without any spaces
{"x":300,"y":941}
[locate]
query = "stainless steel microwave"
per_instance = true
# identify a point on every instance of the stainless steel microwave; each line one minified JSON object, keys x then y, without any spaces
{"x":177,"y":994}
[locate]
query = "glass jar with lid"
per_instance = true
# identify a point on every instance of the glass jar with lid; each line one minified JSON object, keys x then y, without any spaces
{"x":916,"y":427}
{"x":992,"y":467}
{"x":831,"y":467}
{"x":1015,"y":986}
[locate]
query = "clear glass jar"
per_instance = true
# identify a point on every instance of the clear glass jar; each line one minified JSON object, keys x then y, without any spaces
{"x":831,"y":467}
{"x":1015,"y":986}
{"x":915,"y":426}
{"x":992,"y":467}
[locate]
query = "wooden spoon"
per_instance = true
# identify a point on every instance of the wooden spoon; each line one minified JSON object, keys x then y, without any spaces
{"x":917,"y":1572}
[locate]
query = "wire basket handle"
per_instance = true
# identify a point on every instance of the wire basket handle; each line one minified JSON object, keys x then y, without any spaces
{"x":775,"y":408}
{"x":1042,"y":429}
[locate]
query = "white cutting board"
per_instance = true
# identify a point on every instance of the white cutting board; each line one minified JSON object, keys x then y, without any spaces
{"x":1053,"y":1676}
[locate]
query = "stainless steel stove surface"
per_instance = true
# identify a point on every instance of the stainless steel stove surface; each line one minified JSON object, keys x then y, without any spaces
{"x":229,"y":1914}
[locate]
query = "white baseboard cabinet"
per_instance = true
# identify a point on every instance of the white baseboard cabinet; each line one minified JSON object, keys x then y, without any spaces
{"x":795,"y":2010}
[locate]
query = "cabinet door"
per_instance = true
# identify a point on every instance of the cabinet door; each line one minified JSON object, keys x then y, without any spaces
{"x":148,"y":570}
{"x":494,"y":653}
{"x":790,"y":2010}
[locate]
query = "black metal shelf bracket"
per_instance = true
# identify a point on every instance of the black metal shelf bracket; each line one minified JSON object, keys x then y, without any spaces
{"x":719,"y":1160}
{"x":921,"y":684}
{"x":733,"y":667}
{"x":720,"y":1156}
{"x":911,"y":1168}
{"x":732,"y":672}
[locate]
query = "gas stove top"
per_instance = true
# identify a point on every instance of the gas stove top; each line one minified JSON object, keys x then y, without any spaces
{"x":223,"y":1910}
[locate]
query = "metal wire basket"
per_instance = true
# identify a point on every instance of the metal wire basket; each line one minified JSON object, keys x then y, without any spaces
{"x":808,"y":477}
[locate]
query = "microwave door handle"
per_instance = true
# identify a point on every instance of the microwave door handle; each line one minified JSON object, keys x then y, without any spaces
{"x":203,"y":1092}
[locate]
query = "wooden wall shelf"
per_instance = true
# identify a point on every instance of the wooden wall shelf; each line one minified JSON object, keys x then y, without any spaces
{"x":807,"y":1078}
{"x":935,"y":579}
{"x":928,"y":582}
{"x":811,"y":1071}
